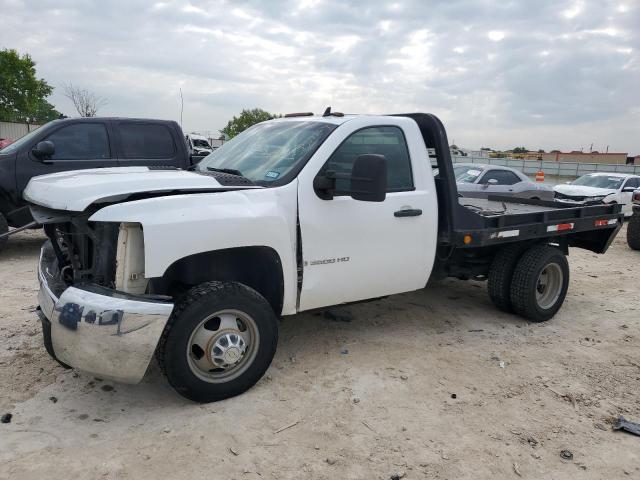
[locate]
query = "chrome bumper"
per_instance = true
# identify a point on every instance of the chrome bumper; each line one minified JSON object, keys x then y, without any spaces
{"x":97,"y":330}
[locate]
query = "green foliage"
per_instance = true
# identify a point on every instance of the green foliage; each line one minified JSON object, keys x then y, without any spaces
{"x":520,"y":150}
{"x":22,"y":95}
{"x":246,"y":119}
{"x":485,"y":149}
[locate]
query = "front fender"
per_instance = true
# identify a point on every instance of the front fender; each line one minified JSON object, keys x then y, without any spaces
{"x":178,"y":226}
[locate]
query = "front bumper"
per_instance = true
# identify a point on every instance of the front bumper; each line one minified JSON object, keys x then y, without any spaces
{"x":106,"y":333}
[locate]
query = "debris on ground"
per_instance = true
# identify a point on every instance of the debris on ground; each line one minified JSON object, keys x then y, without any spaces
{"x":330,"y":461}
{"x":338,"y":315}
{"x":516,"y":469}
{"x":286,"y":427}
{"x":398,"y":476}
{"x":454,"y":396}
{"x":6,"y":418}
{"x":566,"y":455}
{"x":624,"y":424}
{"x":53,"y":399}
{"x":235,"y":452}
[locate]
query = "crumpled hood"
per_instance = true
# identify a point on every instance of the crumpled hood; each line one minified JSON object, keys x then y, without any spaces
{"x":583,"y":191}
{"x":76,"y":190}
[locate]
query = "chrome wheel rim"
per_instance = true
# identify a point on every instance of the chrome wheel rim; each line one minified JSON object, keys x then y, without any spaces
{"x":222,"y":346}
{"x":549,"y":286}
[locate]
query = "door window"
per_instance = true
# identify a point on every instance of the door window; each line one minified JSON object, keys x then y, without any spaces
{"x":140,"y":140}
{"x":387,"y":141}
{"x":632,"y":182}
{"x":503,"y":177}
{"x":80,"y":141}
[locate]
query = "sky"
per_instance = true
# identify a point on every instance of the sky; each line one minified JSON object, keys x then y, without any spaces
{"x":537,"y":73}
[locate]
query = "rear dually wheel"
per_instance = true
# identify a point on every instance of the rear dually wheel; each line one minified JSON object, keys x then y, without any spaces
{"x":540,"y":282}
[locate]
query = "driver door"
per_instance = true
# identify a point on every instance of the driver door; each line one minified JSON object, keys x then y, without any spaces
{"x":354,"y":250}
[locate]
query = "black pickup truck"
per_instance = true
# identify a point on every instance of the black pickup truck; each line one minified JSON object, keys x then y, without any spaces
{"x":79,"y":143}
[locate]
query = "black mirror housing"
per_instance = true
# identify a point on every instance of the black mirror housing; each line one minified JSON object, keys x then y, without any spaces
{"x":369,"y":178}
{"x":44,"y":150}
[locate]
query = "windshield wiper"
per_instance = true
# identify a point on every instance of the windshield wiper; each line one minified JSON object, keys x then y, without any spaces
{"x":231,"y":171}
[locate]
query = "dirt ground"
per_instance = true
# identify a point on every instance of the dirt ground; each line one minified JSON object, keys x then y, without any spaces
{"x":431,"y":384}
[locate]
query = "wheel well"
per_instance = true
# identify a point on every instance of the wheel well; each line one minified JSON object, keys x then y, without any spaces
{"x":257,"y":267}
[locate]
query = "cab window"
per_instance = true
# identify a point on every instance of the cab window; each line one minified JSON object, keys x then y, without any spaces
{"x":387,"y":141}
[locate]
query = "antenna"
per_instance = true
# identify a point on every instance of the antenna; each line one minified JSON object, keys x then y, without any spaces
{"x":327,"y":112}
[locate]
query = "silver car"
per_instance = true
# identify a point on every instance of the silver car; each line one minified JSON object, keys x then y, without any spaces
{"x":480,"y":181}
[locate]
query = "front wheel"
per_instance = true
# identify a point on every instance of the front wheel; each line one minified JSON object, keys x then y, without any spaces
{"x":219,"y":341}
{"x":539,"y":283}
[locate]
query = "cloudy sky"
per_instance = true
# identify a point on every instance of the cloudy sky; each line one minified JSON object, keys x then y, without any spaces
{"x":543,"y":74}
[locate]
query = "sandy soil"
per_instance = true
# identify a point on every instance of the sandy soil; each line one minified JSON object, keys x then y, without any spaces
{"x":431,"y":384}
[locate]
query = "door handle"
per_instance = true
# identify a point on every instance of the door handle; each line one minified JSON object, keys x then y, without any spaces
{"x":408,"y":212}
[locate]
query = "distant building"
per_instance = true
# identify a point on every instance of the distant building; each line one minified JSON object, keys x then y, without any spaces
{"x":578,"y":157}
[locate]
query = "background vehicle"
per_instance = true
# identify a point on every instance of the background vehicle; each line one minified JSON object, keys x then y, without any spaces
{"x":293,"y":214}
{"x":633,"y":227}
{"x":80,"y":143}
{"x":199,"y":146}
{"x":599,"y":187}
{"x":480,"y":181}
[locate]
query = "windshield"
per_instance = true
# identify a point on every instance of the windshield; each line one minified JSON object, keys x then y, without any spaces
{"x":18,"y":143}
{"x":200,"y":143}
{"x":599,"y":181}
{"x":466,"y":174}
{"x":268,"y":151}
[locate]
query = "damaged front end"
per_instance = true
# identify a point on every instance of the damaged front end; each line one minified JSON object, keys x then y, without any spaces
{"x":95,"y":314}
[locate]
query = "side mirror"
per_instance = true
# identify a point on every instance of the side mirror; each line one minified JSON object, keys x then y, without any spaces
{"x":44,"y":150}
{"x":369,"y":178}
{"x":490,"y":182}
{"x":629,"y":189}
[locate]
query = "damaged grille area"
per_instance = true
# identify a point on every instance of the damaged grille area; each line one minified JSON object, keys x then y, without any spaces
{"x":85,"y":251}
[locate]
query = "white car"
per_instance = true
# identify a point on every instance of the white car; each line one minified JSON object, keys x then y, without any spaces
{"x":600,"y":187}
{"x":198,"y":145}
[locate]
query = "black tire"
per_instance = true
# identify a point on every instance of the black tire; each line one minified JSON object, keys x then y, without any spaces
{"x":633,"y":231}
{"x":4,"y":228}
{"x":500,"y":274}
{"x":525,"y":283}
{"x":199,"y":303}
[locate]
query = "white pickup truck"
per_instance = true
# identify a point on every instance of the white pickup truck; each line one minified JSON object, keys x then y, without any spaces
{"x":294,"y":214}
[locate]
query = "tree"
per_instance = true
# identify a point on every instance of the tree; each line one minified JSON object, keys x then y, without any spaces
{"x":246,"y":119}
{"x":485,"y":149}
{"x":520,"y":150}
{"x":22,"y":95}
{"x":87,"y":103}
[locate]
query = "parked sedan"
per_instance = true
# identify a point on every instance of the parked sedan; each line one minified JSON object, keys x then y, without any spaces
{"x":480,"y":181}
{"x":599,"y":187}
